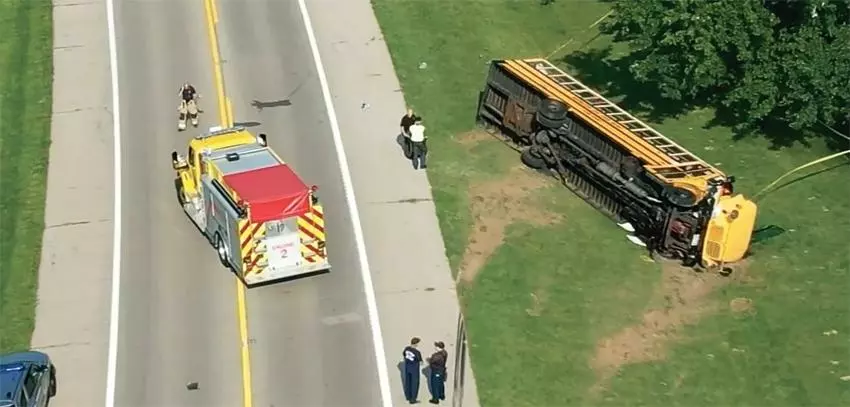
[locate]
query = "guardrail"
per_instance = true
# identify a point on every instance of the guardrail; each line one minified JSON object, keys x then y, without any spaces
{"x":460,"y":363}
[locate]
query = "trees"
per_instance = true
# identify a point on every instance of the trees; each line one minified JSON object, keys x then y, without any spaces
{"x":761,"y":60}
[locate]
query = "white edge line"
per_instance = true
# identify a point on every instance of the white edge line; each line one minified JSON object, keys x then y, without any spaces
{"x":112,"y":355}
{"x":368,"y":286}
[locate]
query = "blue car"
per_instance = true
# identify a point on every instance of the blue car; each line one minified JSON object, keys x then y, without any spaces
{"x":27,"y":379}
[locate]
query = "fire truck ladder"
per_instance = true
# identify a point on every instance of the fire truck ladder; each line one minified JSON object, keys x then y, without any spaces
{"x":683,"y":162}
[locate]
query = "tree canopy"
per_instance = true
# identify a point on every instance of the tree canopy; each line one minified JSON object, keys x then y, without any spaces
{"x":762,"y":60}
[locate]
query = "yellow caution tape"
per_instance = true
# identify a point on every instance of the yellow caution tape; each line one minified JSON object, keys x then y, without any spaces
{"x":802,"y":167}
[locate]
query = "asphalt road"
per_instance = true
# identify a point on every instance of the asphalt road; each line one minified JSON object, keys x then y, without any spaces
{"x":309,"y":339}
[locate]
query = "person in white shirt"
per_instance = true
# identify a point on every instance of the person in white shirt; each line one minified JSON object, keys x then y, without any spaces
{"x":417,"y":138}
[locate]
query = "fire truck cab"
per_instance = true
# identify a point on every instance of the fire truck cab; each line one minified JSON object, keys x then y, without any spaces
{"x":265,"y":223}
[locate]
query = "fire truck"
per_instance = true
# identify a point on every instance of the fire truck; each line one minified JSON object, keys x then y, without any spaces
{"x":264,"y":222}
{"x":665,"y":197}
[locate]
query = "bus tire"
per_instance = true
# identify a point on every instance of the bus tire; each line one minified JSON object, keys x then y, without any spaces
{"x":531,"y":160}
{"x":551,"y":114}
{"x":549,"y":123}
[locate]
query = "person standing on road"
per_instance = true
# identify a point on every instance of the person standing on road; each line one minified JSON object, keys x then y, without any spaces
{"x":188,"y":95}
{"x":412,"y":360}
{"x":437,"y":376}
{"x":417,"y":139}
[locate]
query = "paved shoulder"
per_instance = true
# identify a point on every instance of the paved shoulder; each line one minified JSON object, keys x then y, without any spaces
{"x":72,"y":316}
{"x":416,"y":295}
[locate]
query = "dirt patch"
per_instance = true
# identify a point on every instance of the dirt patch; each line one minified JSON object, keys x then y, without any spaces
{"x":496,"y":205}
{"x":473,"y":137}
{"x":683,"y":298}
{"x":740,"y":305}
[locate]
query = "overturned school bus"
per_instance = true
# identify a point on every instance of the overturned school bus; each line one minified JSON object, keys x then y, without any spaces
{"x":667,"y":198}
{"x":263,"y":221}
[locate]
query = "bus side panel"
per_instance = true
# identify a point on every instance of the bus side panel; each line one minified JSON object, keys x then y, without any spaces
{"x":501,"y":96}
{"x":510,"y":105}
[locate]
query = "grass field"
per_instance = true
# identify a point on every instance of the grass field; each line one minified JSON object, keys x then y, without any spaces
{"x":561,"y":309}
{"x":26,"y":75}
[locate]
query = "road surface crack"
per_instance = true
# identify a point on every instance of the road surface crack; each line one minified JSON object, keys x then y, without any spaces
{"x":62,"y":345}
{"x":404,"y":201}
{"x":77,"y":223}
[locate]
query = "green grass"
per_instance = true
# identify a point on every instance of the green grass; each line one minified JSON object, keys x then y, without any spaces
{"x":593,"y":282}
{"x":26,"y":75}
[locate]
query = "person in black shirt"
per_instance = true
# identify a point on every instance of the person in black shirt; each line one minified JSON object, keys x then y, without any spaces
{"x":412,"y":360}
{"x":437,"y":376}
{"x":187,"y":92}
{"x":189,"y":104}
{"x":404,"y":125}
{"x":406,"y":121}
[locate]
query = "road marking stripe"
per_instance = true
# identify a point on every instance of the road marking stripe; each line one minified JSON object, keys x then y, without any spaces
{"x":211,"y":13}
{"x":342,"y":161}
{"x":243,"y":336}
{"x":225,"y":119}
{"x":114,"y":307}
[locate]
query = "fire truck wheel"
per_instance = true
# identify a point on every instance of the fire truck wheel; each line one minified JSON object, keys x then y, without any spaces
{"x":221,"y":249}
{"x":531,"y":160}
{"x":181,"y":197}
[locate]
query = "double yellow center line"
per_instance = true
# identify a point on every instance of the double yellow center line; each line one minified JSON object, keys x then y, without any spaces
{"x":225,"y":110}
{"x":225,"y":114}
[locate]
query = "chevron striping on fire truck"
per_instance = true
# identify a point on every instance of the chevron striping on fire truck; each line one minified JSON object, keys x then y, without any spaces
{"x":261,"y":218}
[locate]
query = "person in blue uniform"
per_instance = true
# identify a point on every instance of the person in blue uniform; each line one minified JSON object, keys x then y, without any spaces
{"x":412,"y":361}
{"x":437,"y":376}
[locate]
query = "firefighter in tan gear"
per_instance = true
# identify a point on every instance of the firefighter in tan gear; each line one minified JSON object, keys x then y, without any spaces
{"x":188,"y":108}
